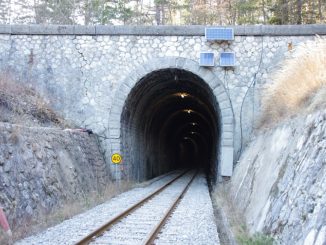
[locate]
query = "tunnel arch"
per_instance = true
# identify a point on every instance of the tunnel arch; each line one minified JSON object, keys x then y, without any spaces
{"x":211,"y":98}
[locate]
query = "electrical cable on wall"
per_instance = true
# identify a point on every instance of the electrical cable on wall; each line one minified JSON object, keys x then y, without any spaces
{"x":226,"y":84}
{"x":252,"y":84}
{"x":227,"y":89}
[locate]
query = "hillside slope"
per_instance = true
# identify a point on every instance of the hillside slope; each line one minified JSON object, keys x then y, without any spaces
{"x":47,"y":174}
{"x":21,"y":104}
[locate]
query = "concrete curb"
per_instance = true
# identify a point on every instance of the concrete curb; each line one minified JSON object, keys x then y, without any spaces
{"x":245,"y":30}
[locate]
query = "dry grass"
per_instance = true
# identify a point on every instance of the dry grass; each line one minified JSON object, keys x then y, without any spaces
{"x":14,"y":136}
{"x":299,"y":86}
{"x":20,"y":104}
{"x":236,"y":220}
{"x":68,"y":210}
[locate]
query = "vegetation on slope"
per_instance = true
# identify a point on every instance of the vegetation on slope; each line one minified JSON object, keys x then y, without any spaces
{"x":299,"y":86}
{"x":20,"y":104}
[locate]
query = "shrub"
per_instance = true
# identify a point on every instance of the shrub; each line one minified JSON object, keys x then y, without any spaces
{"x":256,"y":239}
{"x":299,"y":85}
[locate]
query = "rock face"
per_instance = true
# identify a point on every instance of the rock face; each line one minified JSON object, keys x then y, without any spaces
{"x":280,"y":181}
{"x":41,"y":168}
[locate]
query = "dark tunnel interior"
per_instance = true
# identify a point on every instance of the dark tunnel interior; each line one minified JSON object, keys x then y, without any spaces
{"x":170,"y":121}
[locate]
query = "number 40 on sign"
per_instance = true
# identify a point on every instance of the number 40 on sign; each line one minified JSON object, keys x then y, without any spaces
{"x":116,"y":158}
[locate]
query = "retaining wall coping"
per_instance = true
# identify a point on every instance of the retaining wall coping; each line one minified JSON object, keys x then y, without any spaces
{"x":193,"y":30}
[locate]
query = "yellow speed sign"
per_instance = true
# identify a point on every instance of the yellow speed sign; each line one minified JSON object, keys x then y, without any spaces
{"x":116,"y":158}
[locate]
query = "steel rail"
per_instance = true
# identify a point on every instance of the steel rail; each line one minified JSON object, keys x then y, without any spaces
{"x":99,"y":231}
{"x":153,"y":234}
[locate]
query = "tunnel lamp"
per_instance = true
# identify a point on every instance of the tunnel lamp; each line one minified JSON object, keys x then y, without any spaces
{"x":193,"y":124}
{"x":182,"y":95}
{"x":192,"y":132}
{"x":186,"y":138}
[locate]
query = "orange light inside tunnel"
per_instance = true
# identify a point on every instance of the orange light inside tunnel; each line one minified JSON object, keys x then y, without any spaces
{"x":183,"y":95}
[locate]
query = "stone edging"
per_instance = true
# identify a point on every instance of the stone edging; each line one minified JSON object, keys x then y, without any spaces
{"x":248,"y":30}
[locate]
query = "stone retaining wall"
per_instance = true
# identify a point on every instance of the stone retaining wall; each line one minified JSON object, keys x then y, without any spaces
{"x":42,"y":168}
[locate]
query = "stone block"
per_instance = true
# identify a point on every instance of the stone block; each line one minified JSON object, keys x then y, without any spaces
{"x":226,"y":161}
{"x":132,"y":80}
{"x":124,"y":89}
{"x":207,"y":75}
{"x":293,"y":30}
{"x":169,"y":62}
{"x":227,"y":135}
{"x":84,"y":30}
{"x":114,"y":141}
{"x":252,"y":30}
{"x":140,"y":71}
{"x":120,"y":98}
{"x":115,"y":147}
{"x":180,"y":62}
{"x":152,"y":65}
{"x":214,"y":82}
{"x":224,"y":104}
{"x":116,"y":109}
{"x":5,"y":29}
{"x":114,"y":132}
{"x":114,"y":121}
{"x":104,"y":30}
{"x":227,"y":120}
{"x":227,"y":128}
{"x":51,"y":29}
{"x":227,"y":142}
{"x":223,"y":97}
{"x":114,"y":136}
{"x":20,"y":29}
{"x":219,"y":90}
{"x":227,"y":112}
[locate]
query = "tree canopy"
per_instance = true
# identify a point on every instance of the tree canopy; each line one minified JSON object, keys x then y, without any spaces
{"x":163,"y":12}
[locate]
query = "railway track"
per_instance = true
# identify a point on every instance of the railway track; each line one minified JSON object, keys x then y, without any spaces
{"x":141,"y":223}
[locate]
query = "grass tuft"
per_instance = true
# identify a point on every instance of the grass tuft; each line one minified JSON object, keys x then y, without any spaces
{"x":20,"y":104}
{"x":68,"y":209}
{"x":256,"y":239}
{"x":299,"y":86}
{"x":236,"y":220}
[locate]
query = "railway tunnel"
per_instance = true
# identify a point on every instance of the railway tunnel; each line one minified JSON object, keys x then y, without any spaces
{"x":169,"y":121}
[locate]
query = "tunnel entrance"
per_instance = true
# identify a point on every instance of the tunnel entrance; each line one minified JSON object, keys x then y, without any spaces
{"x":170,"y":120}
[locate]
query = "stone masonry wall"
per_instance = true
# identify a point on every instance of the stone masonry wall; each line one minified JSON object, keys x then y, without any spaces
{"x":83,"y":67}
{"x":279,"y":184}
{"x":43,"y":168}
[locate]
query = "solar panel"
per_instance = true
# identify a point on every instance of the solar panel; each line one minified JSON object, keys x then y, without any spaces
{"x":219,"y":34}
{"x":227,"y":59}
{"x":206,"y":59}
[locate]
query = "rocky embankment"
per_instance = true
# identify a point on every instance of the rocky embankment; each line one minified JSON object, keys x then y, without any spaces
{"x":279,"y":184}
{"x":41,"y":169}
